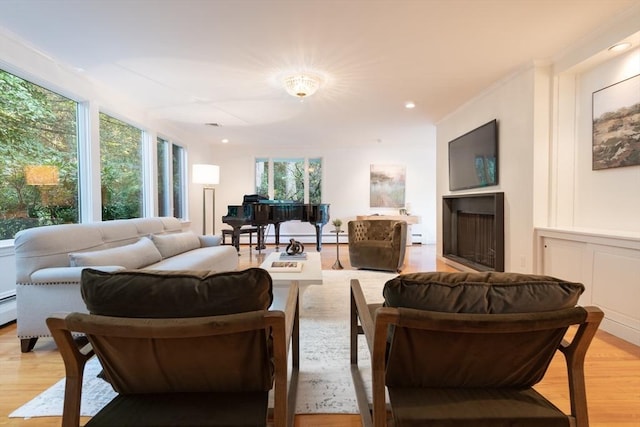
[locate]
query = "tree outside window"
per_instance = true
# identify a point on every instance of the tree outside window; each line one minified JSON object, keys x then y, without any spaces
{"x":315,"y":181}
{"x":289,"y":178}
{"x":262,"y":177}
{"x":120,"y":168}
{"x":178,"y":174}
{"x":164,"y":205}
{"x":39,"y":179}
{"x":39,"y":155}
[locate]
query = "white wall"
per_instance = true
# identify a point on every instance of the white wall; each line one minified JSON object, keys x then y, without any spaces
{"x":511,"y":102}
{"x":345,"y":180}
{"x":580,"y":199}
{"x":604,"y":199}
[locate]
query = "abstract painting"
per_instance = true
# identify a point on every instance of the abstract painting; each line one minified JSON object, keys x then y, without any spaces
{"x":387,"y":186}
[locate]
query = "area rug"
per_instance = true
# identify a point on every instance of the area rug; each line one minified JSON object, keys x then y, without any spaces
{"x":325,"y":385}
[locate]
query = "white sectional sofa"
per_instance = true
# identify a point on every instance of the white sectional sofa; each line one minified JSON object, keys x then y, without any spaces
{"x":49,"y":261}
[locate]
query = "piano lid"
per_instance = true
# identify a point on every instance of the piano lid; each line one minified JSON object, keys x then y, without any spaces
{"x":253,"y":198}
{"x":280,"y":202}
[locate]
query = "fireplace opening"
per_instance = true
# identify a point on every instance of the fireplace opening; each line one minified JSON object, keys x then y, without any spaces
{"x":473,"y":230}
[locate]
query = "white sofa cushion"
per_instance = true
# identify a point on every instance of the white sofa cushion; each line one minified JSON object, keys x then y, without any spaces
{"x":217,"y":258}
{"x":175,"y":243}
{"x":133,"y":256}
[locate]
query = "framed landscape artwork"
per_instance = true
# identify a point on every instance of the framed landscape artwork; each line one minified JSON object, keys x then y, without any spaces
{"x":387,"y":186}
{"x":616,"y":125}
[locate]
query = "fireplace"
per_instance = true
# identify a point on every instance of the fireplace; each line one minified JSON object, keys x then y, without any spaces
{"x":473,"y":230}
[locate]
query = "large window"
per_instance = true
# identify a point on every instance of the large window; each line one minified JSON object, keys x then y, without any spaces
{"x":164,"y":177}
{"x":171,"y":179}
{"x":315,"y":180}
{"x":262,"y":177}
{"x":38,"y":151}
{"x":40,"y":177}
{"x":291,"y":179}
{"x":288,"y":179}
{"x":120,"y":169}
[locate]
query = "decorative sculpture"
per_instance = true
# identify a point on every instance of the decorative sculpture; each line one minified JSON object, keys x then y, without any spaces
{"x":294,"y":247}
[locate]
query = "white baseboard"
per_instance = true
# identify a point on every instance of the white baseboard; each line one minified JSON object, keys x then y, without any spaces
{"x":621,"y":331}
{"x":8,"y":310}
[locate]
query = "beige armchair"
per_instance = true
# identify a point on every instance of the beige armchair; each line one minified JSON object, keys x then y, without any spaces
{"x":466,"y":349}
{"x":377,"y":244}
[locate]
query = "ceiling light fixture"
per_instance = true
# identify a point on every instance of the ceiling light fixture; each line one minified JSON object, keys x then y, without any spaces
{"x":225,"y":141}
{"x":619,"y":47}
{"x":409,"y":105}
{"x":301,"y":84}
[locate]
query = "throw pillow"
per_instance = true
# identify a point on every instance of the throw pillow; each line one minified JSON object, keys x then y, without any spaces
{"x":168,"y":294}
{"x":208,"y":241}
{"x":136,"y":255}
{"x":175,"y":243}
{"x":481,"y":293}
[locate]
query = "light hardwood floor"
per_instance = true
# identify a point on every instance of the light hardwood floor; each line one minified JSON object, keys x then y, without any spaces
{"x":612,"y":365}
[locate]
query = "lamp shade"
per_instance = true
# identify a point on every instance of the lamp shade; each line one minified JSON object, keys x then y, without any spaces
{"x":206,"y":174}
{"x":41,"y":175}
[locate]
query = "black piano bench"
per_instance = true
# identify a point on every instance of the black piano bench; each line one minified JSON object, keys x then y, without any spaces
{"x":244,"y":230}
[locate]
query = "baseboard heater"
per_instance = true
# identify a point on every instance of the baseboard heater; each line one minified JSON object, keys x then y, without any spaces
{"x":8,"y":308}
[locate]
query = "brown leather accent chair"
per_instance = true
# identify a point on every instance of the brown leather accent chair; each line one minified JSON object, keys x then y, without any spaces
{"x":466,"y":349}
{"x":183,"y":348}
{"x":377,"y":244}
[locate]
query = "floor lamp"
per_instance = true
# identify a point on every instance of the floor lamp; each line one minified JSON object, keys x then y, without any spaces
{"x":208,"y":175}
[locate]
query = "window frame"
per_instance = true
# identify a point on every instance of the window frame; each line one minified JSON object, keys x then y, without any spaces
{"x":169,"y":205}
{"x":88,"y":158}
{"x":270,"y":161}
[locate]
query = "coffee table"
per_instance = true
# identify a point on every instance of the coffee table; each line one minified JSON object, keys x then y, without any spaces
{"x":311,"y":273}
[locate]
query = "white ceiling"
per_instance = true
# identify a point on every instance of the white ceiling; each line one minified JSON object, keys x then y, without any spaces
{"x":220,"y":61}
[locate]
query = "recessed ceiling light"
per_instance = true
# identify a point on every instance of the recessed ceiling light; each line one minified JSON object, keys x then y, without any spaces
{"x":225,"y":140}
{"x":409,"y":105}
{"x":619,"y":47}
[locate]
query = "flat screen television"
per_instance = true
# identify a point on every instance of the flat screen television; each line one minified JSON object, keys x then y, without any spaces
{"x":473,"y":158}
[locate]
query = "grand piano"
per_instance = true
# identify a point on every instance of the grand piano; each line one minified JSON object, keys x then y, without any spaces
{"x":259,"y":211}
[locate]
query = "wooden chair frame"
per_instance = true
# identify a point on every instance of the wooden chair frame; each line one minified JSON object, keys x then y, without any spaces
{"x":375,"y":331}
{"x":284,"y":328}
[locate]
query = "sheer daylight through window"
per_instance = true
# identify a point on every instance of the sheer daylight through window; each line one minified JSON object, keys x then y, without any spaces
{"x":39,"y":154}
{"x":120,"y":168}
{"x":291,"y":179}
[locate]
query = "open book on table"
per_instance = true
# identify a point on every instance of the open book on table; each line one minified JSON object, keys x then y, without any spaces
{"x":286,"y":266}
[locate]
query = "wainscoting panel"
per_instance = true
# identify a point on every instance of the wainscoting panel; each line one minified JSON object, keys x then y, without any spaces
{"x":608,"y":266}
{"x":616,"y":284}
{"x":565,"y":259}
